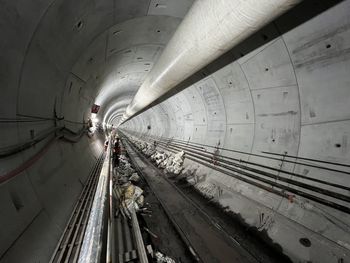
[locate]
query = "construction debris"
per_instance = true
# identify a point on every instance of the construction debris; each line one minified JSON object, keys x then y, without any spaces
{"x":134,"y":178}
{"x":130,"y":194}
{"x":161,"y":258}
{"x":175,"y":166}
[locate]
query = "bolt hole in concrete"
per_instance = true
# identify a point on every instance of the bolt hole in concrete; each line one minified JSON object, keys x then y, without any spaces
{"x":264,"y":37}
{"x":79,"y":25}
{"x":160,"y":6}
{"x":305,"y":242}
{"x":117,"y":32}
{"x":16,"y":200}
{"x":148,"y":127}
{"x":266,"y":69}
{"x":32,"y":134}
{"x":338,"y":145}
{"x":158,"y":31}
{"x":328,"y":46}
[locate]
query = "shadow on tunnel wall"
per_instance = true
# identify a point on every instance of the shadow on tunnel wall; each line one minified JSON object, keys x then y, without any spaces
{"x":303,"y":12}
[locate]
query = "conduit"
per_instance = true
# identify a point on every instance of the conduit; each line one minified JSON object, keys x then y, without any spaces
{"x":19,"y":148}
{"x":7,"y":176}
{"x":210,"y":28}
{"x":95,"y":238}
{"x":260,"y":178}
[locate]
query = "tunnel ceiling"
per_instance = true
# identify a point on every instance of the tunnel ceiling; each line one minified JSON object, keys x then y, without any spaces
{"x":132,"y":49}
{"x":96,"y":49}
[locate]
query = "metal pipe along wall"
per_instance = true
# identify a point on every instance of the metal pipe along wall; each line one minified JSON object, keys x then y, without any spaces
{"x":210,"y":28}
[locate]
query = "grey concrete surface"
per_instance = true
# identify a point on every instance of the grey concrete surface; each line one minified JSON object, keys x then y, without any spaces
{"x":289,"y":95}
{"x":285,"y":89}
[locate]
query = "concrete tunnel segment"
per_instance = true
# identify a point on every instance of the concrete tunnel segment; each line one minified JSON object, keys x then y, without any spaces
{"x":283,"y":90}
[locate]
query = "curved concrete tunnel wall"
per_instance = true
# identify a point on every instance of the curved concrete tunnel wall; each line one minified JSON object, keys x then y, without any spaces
{"x":290,"y":95}
{"x":57,"y":59}
{"x":62,"y":56}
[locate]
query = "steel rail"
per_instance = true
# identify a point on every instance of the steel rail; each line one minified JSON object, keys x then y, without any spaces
{"x":277,"y":177}
{"x":206,"y":162}
{"x":308,"y":159}
{"x":281,"y":170}
{"x":273,"y":158}
{"x":201,"y":145}
{"x":272,"y":168}
{"x":323,"y":201}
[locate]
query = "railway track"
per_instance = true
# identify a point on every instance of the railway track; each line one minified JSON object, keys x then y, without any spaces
{"x":205,"y":238}
{"x":68,"y":247}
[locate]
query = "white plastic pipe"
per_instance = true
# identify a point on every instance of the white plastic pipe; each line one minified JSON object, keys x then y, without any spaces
{"x":210,"y":28}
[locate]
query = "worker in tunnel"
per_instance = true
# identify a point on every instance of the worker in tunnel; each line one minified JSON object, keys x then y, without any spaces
{"x":106,"y":145}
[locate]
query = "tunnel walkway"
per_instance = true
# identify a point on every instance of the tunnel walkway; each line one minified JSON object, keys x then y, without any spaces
{"x":69,"y":245}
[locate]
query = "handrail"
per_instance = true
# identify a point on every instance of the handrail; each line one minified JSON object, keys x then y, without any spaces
{"x":10,"y":174}
{"x":138,"y":238}
{"x":110,"y":255}
{"x":203,"y":146}
{"x":95,"y":238}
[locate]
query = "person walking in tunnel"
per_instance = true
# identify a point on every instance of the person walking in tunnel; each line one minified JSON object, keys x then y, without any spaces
{"x":116,"y":153}
{"x":106,"y":145}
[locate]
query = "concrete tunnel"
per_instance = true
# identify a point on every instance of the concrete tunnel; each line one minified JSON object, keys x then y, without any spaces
{"x":276,"y":97}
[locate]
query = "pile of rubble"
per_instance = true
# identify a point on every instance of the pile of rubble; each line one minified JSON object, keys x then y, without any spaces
{"x":174,"y":164}
{"x":170,"y":162}
{"x":124,"y":169}
{"x":130,"y":194}
{"x":147,"y":149}
{"x":126,"y":181}
{"x":161,"y":258}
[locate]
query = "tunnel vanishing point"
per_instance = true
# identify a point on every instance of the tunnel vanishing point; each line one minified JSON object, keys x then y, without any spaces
{"x":255,"y":92}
